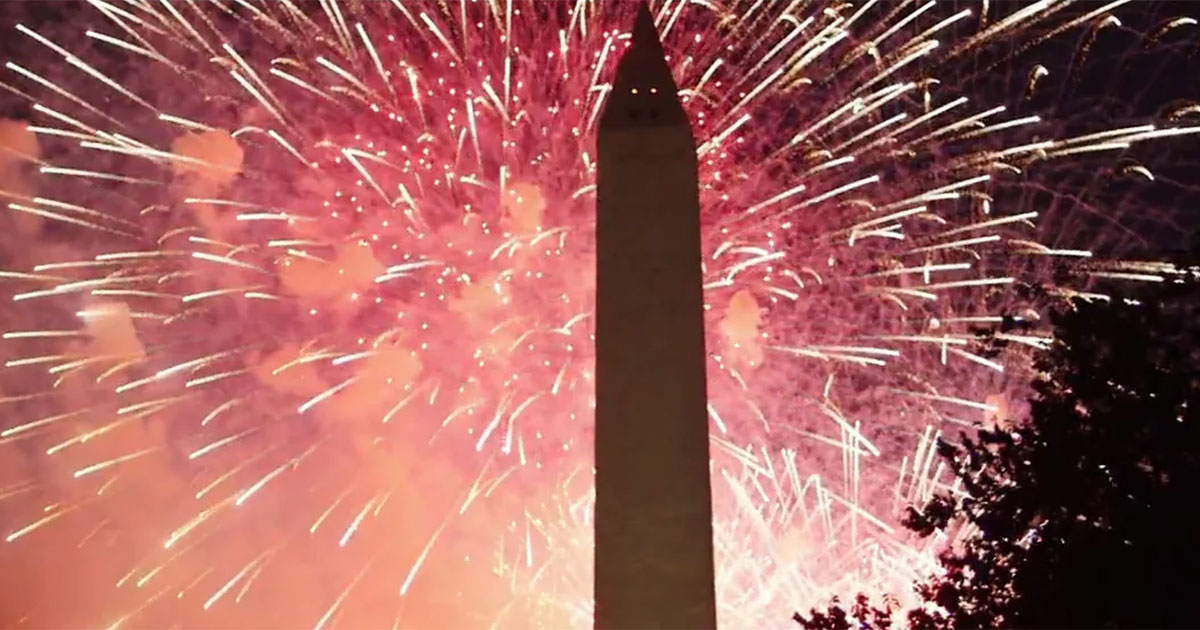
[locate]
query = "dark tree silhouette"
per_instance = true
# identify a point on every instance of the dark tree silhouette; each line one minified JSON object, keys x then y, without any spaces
{"x":862,"y":615}
{"x":1085,"y":514}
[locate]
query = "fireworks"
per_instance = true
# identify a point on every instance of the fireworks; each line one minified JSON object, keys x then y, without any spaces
{"x":299,"y":330}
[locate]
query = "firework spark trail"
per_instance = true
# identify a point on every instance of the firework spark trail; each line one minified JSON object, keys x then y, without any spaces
{"x":294,"y":283}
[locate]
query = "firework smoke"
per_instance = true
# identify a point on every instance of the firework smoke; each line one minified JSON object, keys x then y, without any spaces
{"x":297,"y":326}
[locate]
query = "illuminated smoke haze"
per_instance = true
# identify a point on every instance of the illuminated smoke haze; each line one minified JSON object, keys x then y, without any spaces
{"x":297,"y":296}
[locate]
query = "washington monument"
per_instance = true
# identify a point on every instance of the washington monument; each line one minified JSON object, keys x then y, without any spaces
{"x":654,"y":550}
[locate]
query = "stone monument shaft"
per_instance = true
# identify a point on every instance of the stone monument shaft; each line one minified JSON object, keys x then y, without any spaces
{"x":654,"y":550}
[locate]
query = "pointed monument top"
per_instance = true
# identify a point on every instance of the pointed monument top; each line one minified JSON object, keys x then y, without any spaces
{"x":643,"y":92}
{"x":644,"y":31}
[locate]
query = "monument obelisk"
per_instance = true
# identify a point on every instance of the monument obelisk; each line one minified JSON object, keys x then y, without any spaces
{"x":654,"y":548}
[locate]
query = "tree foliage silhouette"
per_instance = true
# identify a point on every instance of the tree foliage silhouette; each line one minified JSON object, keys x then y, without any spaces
{"x":1085,"y":514}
